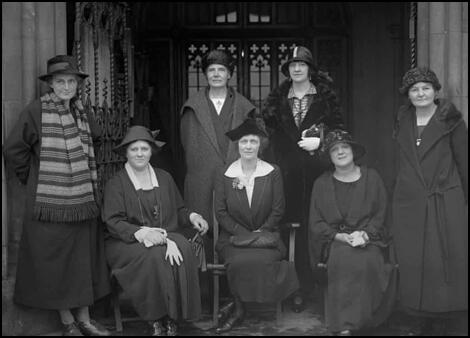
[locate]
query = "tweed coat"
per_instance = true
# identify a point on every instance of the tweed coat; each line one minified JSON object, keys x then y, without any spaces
{"x":430,"y":210}
{"x":202,"y":153}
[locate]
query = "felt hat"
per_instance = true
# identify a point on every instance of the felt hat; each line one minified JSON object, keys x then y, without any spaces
{"x":217,"y":57}
{"x":298,"y":53}
{"x":139,"y":133}
{"x":418,"y":74}
{"x":342,"y":136}
{"x":62,"y":64}
{"x":250,"y":126}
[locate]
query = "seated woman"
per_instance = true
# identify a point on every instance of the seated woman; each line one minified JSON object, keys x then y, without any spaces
{"x":151,"y":260}
{"x":249,"y":204}
{"x":347,"y":216}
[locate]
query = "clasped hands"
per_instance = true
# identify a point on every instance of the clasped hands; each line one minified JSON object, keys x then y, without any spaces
{"x":356,"y":238}
{"x":158,"y":236}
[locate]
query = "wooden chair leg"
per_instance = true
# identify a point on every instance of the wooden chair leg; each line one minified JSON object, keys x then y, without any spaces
{"x":117,"y":311}
{"x":215,"y":319}
{"x":278,"y":313}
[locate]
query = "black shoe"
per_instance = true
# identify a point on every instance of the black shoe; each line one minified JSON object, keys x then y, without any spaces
{"x":233,"y":320}
{"x":71,"y":330}
{"x":171,"y":327}
{"x":158,"y":328}
{"x":298,"y":304}
{"x":93,"y":328}
{"x":225,"y":310}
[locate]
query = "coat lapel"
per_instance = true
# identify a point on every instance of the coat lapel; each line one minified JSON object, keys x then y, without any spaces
{"x":432,"y":133}
{"x":356,"y":206}
{"x":258,"y":192}
{"x":407,"y":142}
{"x":287,"y":120}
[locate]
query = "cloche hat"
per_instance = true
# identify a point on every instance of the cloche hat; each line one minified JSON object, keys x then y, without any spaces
{"x":299,"y":53}
{"x":139,"y":133}
{"x":217,"y":57}
{"x":250,"y":126}
{"x":418,"y":74}
{"x":342,"y":136}
{"x":62,"y":64}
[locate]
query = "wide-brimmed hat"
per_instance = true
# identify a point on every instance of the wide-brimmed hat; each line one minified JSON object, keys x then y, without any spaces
{"x":217,"y":57}
{"x":418,"y":74}
{"x":250,"y":126}
{"x":62,"y":64}
{"x":139,"y":133}
{"x":299,"y":53}
{"x":342,"y":136}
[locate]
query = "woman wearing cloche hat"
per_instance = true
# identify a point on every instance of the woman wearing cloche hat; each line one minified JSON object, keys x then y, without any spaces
{"x":151,"y":259}
{"x":297,"y":113}
{"x":347,"y":231}
{"x":430,"y":203}
{"x":61,"y":263}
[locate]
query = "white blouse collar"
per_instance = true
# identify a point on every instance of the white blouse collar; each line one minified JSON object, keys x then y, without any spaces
{"x":235,"y":169}
{"x":135,"y":181}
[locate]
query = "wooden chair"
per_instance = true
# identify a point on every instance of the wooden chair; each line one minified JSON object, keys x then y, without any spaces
{"x":116,"y":291}
{"x":218,"y":270}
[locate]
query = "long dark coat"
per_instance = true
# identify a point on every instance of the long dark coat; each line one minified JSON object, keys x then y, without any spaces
{"x":299,"y":168}
{"x":360,"y":283}
{"x":254,"y":275}
{"x":155,"y":287}
{"x":202,"y":152}
{"x":430,"y":211}
{"x":60,"y":265}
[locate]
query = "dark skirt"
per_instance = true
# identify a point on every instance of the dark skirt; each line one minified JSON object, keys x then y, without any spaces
{"x":155,"y":287}
{"x":259,"y":275}
{"x":61,"y":265}
{"x":361,"y":287}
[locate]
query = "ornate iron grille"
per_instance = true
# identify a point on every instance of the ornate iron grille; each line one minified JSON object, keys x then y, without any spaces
{"x":103,"y":50}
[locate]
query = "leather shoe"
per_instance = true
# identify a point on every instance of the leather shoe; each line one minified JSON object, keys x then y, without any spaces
{"x":93,"y":328}
{"x":225,"y":310}
{"x":230,"y":323}
{"x":71,"y":330}
{"x":158,"y":328}
{"x":171,"y":327}
{"x":345,"y":333}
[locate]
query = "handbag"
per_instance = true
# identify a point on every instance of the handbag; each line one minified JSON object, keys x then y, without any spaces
{"x":263,"y":239}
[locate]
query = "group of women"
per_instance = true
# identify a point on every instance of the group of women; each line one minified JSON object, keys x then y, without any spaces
{"x":293,"y":162}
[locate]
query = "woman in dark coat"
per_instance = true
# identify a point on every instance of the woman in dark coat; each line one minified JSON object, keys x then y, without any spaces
{"x":152,"y":261}
{"x":304,"y":101}
{"x":61,"y":263}
{"x":430,"y":201}
{"x":347,"y":232}
{"x":249,"y":201}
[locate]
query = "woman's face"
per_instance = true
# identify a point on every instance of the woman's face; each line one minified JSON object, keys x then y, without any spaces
{"x":422,"y":94}
{"x":248,"y":146}
{"x":64,"y":86}
{"x":298,"y":71}
{"x":341,"y":155}
{"x":138,"y":154}
{"x":217,"y":75}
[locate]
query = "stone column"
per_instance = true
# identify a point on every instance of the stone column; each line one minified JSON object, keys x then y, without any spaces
{"x":442,"y":38}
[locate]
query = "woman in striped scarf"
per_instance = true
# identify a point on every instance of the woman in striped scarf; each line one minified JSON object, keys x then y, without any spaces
{"x":61,"y":263}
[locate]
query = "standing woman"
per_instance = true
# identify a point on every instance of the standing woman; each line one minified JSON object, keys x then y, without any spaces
{"x":303,"y":101}
{"x":430,"y":203}
{"x":249,"y":204}
{"x":61,"y":264}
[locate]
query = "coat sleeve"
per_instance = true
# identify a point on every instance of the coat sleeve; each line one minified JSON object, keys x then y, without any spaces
{"x":376,"y":226}
{"x":114,"y":212}
{"x":185,"y":125}
{"x":19,"y":146}
{"x":183,"y":212}
{"x":278,"y":206}
{"x":459,"y":144}
{"x":220,"y":205}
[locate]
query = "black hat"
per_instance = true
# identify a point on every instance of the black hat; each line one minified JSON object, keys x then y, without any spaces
{"x":139,"y":133}
{"x":250,"y":126}
{"x":342,"y":136}
{"x":299,"y":53}
{"x":62,"y":64}
{"x":418,"y":74}
{"x":217,"y":57}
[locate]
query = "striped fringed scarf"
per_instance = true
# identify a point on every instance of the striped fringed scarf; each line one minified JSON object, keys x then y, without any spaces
{"x":67,"y":168}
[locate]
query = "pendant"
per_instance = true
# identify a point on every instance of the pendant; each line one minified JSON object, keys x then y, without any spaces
{"x":418,"y":141}
{"x":156,"y":211}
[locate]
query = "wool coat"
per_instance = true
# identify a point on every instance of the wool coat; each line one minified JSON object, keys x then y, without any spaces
{"x":254,"y":274}
{"x":430,"y":210}
{"x":155,"y":287}
{"x":299,"y":168}
{"x":360,"y":283}
{"x":201,"y":150}
{"x":61,"y":265}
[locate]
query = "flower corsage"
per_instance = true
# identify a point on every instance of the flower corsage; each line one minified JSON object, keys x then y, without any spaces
{"x":237,"y":184}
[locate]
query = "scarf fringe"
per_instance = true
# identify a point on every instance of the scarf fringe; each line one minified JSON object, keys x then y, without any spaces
{"x":79,"y":213}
